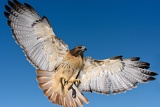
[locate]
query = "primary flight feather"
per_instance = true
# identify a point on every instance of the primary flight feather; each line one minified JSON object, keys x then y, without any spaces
{"x":64,"y":74}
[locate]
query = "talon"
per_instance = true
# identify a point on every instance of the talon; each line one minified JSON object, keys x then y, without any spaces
{"x":77,"y":82}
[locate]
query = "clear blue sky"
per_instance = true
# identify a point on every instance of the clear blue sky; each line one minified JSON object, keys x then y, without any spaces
{"x":106,"y":27}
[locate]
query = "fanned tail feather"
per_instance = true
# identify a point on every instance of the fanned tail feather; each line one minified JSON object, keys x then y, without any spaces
{"x":74,"y":97}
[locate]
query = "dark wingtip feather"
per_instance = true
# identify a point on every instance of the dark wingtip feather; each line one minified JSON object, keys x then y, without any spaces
{"x":144,"y":65}
{"x":26,"y":4}
{"x":45,"y":19}
{"x":135,"y":59}
{"x":116,"y":57}
{"x":6,"y":14}
{"x":29,"y":6}
{"x":17,"y":2}
{"x":11,"y":4}
{"x":153,"y":73}
{"x":8,"y":8}
{"x":151,"y":79}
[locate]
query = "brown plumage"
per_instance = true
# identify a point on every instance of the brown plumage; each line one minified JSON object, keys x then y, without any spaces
{"x":60,"y":86}
{"x":67,"y":71}
{"x":64,"y":74}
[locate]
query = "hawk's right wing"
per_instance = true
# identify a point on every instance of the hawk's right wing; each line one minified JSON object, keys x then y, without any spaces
{"x":35,"y":36}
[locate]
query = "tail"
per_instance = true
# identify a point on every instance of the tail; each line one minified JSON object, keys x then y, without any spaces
{"x":74,"y":97}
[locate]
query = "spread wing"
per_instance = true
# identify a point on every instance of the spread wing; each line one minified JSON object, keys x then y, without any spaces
{"x":35,"y":36}
{"x":114,"y":75}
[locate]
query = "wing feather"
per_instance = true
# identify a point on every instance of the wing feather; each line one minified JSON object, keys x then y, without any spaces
{"x":35,"y":36}
{"x":114,"y":75}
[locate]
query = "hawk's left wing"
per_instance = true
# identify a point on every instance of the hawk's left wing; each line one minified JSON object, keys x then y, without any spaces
{"x":114,"y":75}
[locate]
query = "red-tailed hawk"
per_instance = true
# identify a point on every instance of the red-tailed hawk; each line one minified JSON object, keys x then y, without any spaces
{"x":64,"y":74}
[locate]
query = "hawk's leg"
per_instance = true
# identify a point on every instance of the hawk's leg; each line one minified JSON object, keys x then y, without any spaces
{"x":64,"y":81}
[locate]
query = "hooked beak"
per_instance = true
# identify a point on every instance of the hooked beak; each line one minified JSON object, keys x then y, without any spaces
{"x":84,"y":48}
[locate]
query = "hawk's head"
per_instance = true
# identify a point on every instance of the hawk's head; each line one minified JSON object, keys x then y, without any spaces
{"x":78,"y":50}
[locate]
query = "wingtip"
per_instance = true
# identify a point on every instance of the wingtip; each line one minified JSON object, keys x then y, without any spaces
{"x":6,"y":14}
{"x":16,"y":1}
{"x":144,"y":65}
{"x":153,"y":73}
{"x":9,"y":23}
{"x":11,"y":3}
{"x":135,"y":59}
{"x":32,"y":9}
{"x":116,"y":57}
{"x":7,"y":8}
{"x":26,"y":4}
{"x":151,"y":79}
{"x":45,"y":19}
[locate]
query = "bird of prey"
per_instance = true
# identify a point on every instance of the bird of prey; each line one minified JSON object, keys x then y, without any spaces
{"x":64,"y":74}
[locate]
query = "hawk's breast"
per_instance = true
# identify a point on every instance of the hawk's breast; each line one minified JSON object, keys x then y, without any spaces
{"x":70,"y":65}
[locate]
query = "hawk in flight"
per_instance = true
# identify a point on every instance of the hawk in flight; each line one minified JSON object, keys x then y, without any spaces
{"x":64,"y":74}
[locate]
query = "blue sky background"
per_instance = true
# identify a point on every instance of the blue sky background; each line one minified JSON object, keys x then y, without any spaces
{"x":106,"y":27}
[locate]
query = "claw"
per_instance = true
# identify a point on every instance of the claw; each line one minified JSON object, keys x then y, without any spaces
{"x":77,"y":82}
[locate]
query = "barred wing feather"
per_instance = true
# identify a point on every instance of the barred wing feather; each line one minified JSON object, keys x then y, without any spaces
{"x":114,"y":75}
{"x":35,"y":36}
